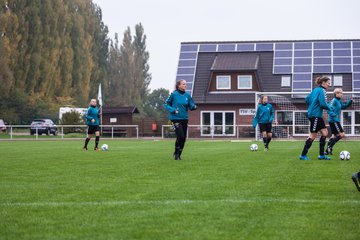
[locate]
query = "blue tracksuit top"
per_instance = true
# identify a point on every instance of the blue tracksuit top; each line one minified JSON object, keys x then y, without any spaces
{"x":337,"y":105}
{"x":264,"y":114}
{"x":316,"y":102}
{"x":92,"y":113}
{"x":180,"y":101}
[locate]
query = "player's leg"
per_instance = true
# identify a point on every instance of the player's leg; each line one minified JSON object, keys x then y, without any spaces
{"x":309,"y":141}
{"x":97,"y":140}
{"x":179,"y":139}
{"x":356,"y":179}
{"x":322,"y":143}
{"x":330,"y":142}
{"x":87,"y":140}
{"x":268,"y":135}
{"x":184,"y":126}
{"x":340,"y":135}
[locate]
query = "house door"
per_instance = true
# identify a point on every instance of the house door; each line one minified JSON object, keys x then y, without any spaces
{"x":218,"y":123}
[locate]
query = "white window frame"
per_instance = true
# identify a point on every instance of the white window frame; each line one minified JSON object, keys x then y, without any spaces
{"x":217,"y":82}
{"x":286,"y":78}
{"x":353,"y":124}
{"x":277,"y":120}
{"x":223,"y":123}
{"x":238,"y":81}
{"x":337,"y":78}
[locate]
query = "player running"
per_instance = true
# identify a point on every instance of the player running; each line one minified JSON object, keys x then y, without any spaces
{"x":334,"y":119}
{"x":178,"y":104}
{"x":264,"y":117}
{"x":316,"y":102}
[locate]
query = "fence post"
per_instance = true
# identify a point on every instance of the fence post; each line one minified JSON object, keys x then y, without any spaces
{"x":62,"y":132}
{"x":137,"y":132}
{"x":11,"y":132}
{"x":112,"y":132}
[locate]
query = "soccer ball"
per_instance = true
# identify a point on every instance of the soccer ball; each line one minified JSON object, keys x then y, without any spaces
{"x":344,"y":155}
{"x":254,"y":147}
{"x":104,"y":147}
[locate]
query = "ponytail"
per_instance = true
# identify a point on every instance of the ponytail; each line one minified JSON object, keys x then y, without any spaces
{"x":320,"y":80}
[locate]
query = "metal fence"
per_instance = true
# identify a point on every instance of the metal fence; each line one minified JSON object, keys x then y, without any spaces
{"x":68,"y":132}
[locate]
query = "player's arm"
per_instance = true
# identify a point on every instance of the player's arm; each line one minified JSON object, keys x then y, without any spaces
{"x":308,"y":99}
{"x":331,"y":110}
{"x":192,"y":105}
{"x":347,"y":104}
{"x":88,"y":115}
{"x":322,"y":100}
{"x":272,"y":114}
{"x":168,"y":104}
{"x":256,"y":118}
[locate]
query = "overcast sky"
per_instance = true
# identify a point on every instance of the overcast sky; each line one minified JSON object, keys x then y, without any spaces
{"x":167,"y":23}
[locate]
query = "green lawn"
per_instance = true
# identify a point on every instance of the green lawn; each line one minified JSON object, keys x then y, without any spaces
{"x":220,"y":190}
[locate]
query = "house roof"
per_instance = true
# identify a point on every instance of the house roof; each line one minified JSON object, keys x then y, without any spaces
{"x":117,"y":110}
{"x":273,"y":41}
{"x":235,"y":62}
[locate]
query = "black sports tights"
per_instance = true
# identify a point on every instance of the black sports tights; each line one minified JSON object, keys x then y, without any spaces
{"x":181,"y":132}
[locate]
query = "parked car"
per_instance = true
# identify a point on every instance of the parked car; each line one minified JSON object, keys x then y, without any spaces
{"x":2,"y":126}
{"x":46,"y":126}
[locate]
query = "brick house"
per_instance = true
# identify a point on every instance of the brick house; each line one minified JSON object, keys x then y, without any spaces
{"x":224,"y":78}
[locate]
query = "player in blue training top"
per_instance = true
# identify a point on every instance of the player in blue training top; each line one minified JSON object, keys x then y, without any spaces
{"x":334,"y":119}
{"x":92,"y":121}
{"x":178,"y":104}
{"x":264,"y":117}
{"x":316,"y":102}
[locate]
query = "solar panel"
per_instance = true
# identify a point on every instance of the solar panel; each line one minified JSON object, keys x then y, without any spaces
{"x":246,"y":47}
{"x":189,"y":48}
{"x":299,"y":59}
{"x":226,"y":47}
{"x":208,"y":48}
{"x":264,"y":47}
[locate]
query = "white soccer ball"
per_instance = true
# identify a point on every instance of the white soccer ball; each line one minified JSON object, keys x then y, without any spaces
{"x":104,"y":147}
{"x":344,"y":155}
{"x":254,"y":147}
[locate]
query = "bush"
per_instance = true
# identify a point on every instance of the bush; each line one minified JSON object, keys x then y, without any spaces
{"x":72,"y":118}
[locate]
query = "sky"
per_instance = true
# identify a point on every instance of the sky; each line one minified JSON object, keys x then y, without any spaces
{"x":167,"y":23}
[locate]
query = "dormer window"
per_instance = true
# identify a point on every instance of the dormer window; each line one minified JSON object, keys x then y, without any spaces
{"x":223,"y":82}
{"x":244,"y":82}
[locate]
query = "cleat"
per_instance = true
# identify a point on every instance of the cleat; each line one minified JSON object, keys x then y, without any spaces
{"x":266,"y":149}
{"x":96,"y":149}
{"x":85,"y":148}
{"x":328,"y":151}
{"x":304,"y":158}
{"x":177,"y":157}
{"x":323,"y":157}
{"x":355,"y":178}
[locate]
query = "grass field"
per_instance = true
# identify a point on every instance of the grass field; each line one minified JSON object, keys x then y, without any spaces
{"x":220,"y":190}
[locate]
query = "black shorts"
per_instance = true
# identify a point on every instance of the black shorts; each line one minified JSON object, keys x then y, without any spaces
{"x":265,"y":127}
{"x":92,"y":129}
{"x":316,"y":124}
{"x":336,"y":128}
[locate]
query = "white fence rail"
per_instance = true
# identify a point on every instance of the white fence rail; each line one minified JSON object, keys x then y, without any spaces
{"x":246,"y":131}
{"x":67,"y":132}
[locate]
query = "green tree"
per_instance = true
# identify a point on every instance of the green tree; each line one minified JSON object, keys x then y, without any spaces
{"x":128,"y":69}
{"x":154,"y":104}
{"x":53,"y":52}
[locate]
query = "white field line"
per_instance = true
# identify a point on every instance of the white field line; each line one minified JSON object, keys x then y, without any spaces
{"x":177,"y":202}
